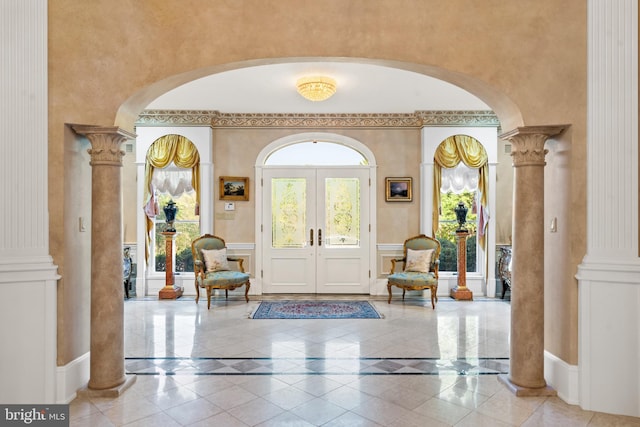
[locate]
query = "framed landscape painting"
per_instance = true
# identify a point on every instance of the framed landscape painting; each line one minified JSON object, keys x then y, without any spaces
{"x":398,"y":189}
{"x":234,"y":188}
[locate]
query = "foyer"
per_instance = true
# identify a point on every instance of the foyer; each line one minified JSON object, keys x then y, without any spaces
{"x":200,"y":367}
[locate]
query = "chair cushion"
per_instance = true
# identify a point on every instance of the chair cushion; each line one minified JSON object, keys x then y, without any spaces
{"x":215,"y":259}
{"x":419,"y":261}
{"x":224,"y":278}
{"x":411,"y":278}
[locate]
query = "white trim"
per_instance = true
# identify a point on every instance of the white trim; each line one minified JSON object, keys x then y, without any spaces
{"x":390,"y":247}
{"x":72,"y":377}
{"x":28,"y":356}
{"x":563,"y":377}
{"x":241,"y":246}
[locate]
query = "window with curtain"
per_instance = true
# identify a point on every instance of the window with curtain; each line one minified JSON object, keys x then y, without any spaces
{"x":459,"y":184}
{"x":175,"y":184}
{"x":172,"y":172}
{"x":460,"y":174}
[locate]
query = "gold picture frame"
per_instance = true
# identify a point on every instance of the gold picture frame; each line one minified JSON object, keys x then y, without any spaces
{"x":234,"y":188}
{"x":398,"y":189}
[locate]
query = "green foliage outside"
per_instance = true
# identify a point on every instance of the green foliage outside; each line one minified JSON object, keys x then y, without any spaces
{"x":187,"y":225}
{"x":446,"y":233}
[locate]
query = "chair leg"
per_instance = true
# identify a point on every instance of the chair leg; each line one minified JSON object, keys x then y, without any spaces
{"x":403,"y":292}
{"x":246,"y":291}
{"x":389,"y":289}
{"x":197,"y":291}
{"x":208,"y":297}
{"x":433,"y":297}
{"x":226,"y":293}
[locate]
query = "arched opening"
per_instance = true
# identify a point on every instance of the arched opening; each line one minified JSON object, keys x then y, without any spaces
{"x":507,"y":111}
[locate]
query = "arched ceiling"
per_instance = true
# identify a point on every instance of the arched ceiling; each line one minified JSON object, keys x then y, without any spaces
{"x":362,"y":88}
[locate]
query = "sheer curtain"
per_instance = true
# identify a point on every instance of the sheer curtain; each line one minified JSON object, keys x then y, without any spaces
{"x":468,"y":150}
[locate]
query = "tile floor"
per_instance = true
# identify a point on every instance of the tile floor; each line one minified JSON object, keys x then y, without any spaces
{"x":416,"y":367}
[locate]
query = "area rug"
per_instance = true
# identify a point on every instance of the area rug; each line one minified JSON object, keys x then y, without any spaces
{"x":315,"y":310}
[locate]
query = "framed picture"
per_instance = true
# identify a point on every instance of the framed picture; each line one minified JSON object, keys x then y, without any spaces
{"x":398,"y":189}
{"x":234,"y":188}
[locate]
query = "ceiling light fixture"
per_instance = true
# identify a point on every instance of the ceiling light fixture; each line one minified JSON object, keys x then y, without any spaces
{"x":316,"y":88}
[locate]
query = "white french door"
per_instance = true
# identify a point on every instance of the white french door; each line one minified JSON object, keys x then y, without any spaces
{"x":315,"y":235}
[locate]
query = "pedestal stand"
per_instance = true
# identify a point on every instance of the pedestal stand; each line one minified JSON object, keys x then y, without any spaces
{"x":461,"y":292}
{"x":169,"y":291}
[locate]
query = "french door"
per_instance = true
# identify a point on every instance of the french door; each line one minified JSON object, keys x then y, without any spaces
{"x":315,"y":235}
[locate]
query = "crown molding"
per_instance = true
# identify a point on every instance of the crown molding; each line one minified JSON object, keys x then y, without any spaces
{"x":217,"y":119}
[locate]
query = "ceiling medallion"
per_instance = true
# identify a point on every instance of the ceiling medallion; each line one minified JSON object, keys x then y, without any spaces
{"x":316,"y":88}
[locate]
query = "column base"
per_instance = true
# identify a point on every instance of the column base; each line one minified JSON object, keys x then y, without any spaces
{"x":525,"y":391}
{"x":109,"y":392}
{"x":461,"y":294}
{"x":169,"y":292}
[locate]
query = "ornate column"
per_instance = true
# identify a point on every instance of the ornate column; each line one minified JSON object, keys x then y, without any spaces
{"x":526,"y":377}
{"x":106,"y":376}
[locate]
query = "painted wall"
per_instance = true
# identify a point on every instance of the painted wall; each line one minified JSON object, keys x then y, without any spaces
{"x":108,"y":60}
{"x":397,"y":152}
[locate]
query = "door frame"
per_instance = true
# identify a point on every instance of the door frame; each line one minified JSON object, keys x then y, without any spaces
{"x":257,"y":284}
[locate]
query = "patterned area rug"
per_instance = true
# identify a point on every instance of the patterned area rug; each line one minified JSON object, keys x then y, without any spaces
{"x":315,"y":310}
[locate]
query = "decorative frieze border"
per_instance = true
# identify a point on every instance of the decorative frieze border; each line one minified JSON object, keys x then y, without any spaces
{"x":217,"y":119}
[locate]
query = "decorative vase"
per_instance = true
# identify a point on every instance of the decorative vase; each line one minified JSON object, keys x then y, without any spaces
{"x":170,"y":210}
{"x":461,"y":214}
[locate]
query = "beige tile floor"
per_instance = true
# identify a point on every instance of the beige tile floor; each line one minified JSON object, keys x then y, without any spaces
{"x":455,"y":331}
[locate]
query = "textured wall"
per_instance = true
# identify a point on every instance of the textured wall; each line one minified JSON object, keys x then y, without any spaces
{"x":525,"y":59}
{"x":397,"y":153}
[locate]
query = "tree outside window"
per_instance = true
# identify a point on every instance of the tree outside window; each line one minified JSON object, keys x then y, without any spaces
{"x":187,"y":225}
{"x":446,"y":234}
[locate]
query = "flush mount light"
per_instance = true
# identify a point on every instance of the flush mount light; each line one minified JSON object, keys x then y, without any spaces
{"x":316,"y":88}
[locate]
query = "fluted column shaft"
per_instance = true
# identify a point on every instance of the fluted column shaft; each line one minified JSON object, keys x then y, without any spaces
{"x":527,"y":294}
{"x":107,"y":292}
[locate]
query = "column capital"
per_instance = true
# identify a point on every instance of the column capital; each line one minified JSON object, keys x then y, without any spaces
{"x":528,"y":143}
{"x":105,"y":143}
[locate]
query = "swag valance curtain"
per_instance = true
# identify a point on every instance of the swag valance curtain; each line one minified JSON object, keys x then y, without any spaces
{"x":165,"y":150}
{"x":452,"y":151}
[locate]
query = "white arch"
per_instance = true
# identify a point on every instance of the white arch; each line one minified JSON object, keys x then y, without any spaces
{"x":312,"y":136}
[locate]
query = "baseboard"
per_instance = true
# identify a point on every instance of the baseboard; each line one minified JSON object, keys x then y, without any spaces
{"x":563,"y":377}
{"x":72,"y":377}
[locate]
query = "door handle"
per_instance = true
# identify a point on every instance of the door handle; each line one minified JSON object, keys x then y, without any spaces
{"x":311,"y":236}
{"x":319,"y":237}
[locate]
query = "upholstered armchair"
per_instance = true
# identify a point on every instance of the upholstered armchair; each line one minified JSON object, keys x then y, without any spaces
{"x":419,"y":267}
{"x":212,"y":269}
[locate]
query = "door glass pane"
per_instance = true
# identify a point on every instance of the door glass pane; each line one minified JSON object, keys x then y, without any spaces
{"x":288,"y":212}
{"x":342,"y":212}
{"x":316,"y":153}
